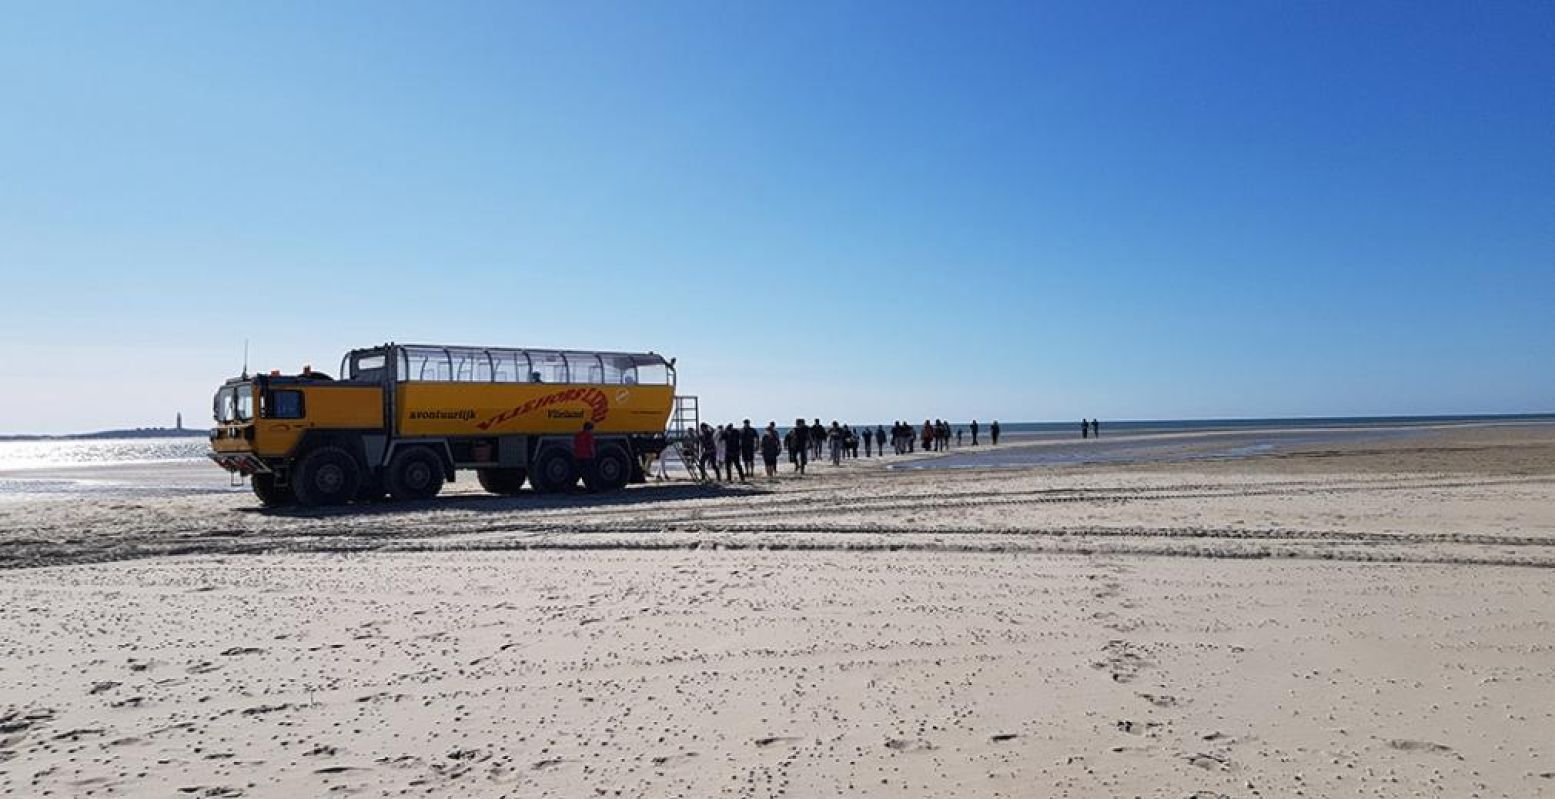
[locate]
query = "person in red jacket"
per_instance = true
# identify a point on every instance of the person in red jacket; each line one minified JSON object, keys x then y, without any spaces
{"x":583,"y":453}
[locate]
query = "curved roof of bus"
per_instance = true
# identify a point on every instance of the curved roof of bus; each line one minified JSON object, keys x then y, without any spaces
{"x":638,"y":358}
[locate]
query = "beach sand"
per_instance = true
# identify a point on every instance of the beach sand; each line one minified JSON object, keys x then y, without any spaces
{"x":1366,"y":619}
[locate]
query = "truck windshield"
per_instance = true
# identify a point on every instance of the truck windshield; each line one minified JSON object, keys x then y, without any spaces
{"x":234,"y":403}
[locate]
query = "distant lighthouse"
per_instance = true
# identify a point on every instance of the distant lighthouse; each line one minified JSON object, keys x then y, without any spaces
{"x":180,"y":423}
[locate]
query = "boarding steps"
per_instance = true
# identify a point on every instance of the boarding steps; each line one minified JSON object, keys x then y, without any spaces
{"x":685,"y":421}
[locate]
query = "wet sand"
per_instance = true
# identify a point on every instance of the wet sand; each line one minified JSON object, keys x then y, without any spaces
{"x":1372,"y":618}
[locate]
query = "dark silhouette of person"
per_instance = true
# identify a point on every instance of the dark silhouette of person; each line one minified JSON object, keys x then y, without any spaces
{"x":993,"y":432}
{"x":707,"y":444}
{"x":748,"y":439}
{"x":1085,"y":428}
{"x":732,"y":464}
{"x":771,"y":445}
{"x":974,"y":432}
{"x":801,"y":448}
{"x":1095,"y":428}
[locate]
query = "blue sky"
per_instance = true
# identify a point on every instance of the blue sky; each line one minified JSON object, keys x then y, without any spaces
{"x":850,"y":210}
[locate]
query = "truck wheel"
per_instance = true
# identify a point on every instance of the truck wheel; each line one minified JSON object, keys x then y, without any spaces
{"x":415,"y":473}
{"x":326,"y":476}
{"x":270,"y":495}
{"x":611,"y":469}
{"x":555,"y":471}
{"x":506,"y":482}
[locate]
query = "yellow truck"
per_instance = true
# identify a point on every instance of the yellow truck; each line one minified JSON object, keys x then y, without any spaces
{"x":402,"y":419}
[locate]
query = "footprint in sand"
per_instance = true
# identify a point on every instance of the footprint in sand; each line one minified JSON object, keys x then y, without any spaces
{"x":1160,"y":700}
{"x":1208,"y":762}
{"x":336,"y":769}
{"x":1406,"y":745}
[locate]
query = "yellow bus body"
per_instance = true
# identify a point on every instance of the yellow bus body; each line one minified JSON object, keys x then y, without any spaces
{"x":404,"y":418}
{"x":475,"y":409}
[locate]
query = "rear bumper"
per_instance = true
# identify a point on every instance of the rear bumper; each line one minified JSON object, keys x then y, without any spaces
{"x":239,"y":462}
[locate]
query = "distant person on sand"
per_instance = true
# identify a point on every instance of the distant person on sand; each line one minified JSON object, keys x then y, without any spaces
{"x":959,"y":431}
{"x":1095,"y":428}
{"x":1085,"y":428}
{"x":801,"y":448}
{"x":817,"y":439}
{"x":834,"y":440}
{"x":974,"y":432}
{"x":869,"y":441}
{"x":993,"y":432}
{"x":748,"y":439}
{"x":880,"y":439}
{"x":928,"y":436}
{"x":771,"y":445}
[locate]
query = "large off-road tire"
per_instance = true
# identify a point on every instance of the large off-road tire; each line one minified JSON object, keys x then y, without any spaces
{"x":554,"y":471}
{"x":612,"y":468}
{"x":326,"y":476}
{"x":271,"y":495}
{"x":415,"y":473}
{"x":506,"y":482}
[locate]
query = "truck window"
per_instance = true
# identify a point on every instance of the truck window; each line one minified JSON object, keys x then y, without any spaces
{"x":548,"y":367}
{"x":368,"y":367}
{"x":286,"y":405}
{"x":245,"y":403}
{"x":223,"y":407}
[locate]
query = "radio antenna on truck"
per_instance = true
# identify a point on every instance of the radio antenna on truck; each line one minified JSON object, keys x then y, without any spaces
{"x":245,"y":359}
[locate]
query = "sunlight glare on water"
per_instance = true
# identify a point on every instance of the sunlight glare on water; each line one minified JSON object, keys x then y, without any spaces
{"x":98,"y":452}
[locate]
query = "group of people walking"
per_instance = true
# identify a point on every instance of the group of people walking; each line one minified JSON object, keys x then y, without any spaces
{"x":728,"y":452}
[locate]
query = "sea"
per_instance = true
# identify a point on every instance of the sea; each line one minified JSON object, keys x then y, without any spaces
{"x":65,"y":453}
{"x":1028,"y":444}
{"x":180,"y":463}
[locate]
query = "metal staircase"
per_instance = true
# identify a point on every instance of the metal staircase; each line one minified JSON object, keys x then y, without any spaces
{"x":685,"y":421}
